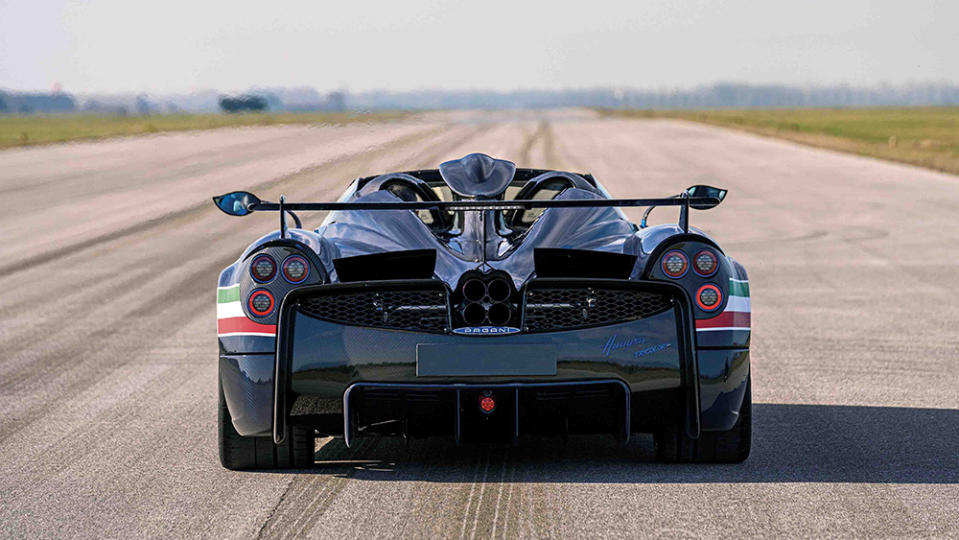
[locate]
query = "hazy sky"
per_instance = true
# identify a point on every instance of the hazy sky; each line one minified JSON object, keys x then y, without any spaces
{"x":185,"y":45}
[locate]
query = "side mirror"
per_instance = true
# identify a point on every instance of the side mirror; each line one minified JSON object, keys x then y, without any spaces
{"x":707,"y":192}
{"x":237,"y":203}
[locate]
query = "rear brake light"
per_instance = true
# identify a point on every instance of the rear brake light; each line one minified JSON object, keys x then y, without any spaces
{"x":675,"y":264}
{"x":295,"y":269}
{"x":708,"y":297}
{"x":487,"y":402}
{"x":261,"y":302}
{"x":705,"y":263}
{"x":263,"y":268}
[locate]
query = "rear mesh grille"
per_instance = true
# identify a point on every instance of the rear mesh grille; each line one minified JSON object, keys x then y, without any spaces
{"x":420,"y":310}
{"x":551,"y":309}
{"x":424,"y":306}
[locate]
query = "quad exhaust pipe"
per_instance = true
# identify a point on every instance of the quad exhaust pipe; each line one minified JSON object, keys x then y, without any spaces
{"x":486,"y":302}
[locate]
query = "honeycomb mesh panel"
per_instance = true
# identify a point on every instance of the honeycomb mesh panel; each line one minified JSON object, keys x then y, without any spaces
{"x":551,"y":309}
{"x":419,"y":310}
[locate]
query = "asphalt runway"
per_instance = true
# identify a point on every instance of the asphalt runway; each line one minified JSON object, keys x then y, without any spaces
{"x":109,"y":254}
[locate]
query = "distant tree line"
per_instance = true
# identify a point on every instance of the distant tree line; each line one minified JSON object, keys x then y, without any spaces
{"x":723,"y":95}
{"x":244,"y":103}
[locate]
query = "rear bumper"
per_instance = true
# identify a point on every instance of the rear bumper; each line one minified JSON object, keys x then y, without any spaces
{"x":248,"y":387}
{"x":321,"y":360}
{"x":453,"y":409}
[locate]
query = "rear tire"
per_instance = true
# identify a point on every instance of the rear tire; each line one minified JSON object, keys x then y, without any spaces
{"x":674,"y":446}
{"x":246,"y":453}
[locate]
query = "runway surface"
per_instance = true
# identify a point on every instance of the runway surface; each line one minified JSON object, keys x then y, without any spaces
{"x":109,"y":254}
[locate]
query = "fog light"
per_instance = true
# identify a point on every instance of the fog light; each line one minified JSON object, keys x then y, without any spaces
{"x":487,"y":404}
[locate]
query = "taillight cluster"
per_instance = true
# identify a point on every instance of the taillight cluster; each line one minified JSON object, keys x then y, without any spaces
{"x":295,"y":269}
{"x":705,"y":263}
{"x":263,"y":270}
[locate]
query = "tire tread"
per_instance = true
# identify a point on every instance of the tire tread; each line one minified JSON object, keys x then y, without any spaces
{"x":733,"y":446}
{"x":251,"y":453}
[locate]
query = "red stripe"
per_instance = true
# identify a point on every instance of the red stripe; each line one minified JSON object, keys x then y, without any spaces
{"x":242,"y":324}
{"x":725,"y":319}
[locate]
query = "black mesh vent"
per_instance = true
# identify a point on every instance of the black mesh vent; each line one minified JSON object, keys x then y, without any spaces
{"x":420,"y":310}
{"x":551,"y":309}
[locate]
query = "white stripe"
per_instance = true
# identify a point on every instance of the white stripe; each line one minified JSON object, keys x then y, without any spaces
{"x":723,"y":328}
{"x":737,"y":303}
{"x":739,"y":280}
{"x":228,"y":310}
{"x":228,"y":287}
{"x":246,"y":334}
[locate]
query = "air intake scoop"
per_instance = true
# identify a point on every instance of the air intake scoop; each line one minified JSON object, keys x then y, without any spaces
{"x":478,"y":175}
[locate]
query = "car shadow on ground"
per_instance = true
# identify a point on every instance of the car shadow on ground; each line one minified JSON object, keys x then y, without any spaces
{"x":791,"y":443}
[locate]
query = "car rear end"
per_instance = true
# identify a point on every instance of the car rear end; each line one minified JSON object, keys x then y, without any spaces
{"x":574,"y":356}
{"x":662,"y":349}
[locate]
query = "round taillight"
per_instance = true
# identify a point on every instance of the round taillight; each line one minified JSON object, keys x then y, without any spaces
{"x":295,"y":269}
{"x":709,"y":297}
{"x":705,"y":263}
{"x":263,"y":268}
{"x":675,"y":264}
{"x":261,"y":302}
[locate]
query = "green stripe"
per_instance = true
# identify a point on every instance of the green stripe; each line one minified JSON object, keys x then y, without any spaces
{"x":231,"y":294}
{"x":738,"y":289}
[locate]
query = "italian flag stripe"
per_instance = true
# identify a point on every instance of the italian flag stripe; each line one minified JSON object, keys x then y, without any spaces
{"x":230,"y":318}
{"x":242,"y":325}
{"x":738,"y":288}
{"x":737,"y":303}
{"x":228,"y":294}
{"x":228,"y":310}
{"x":726,"y":320}
{"x":736,"y":314}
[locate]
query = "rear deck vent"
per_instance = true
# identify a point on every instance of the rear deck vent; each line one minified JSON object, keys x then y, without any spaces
{"x":580,"y":263}
{"x":410,"y":264}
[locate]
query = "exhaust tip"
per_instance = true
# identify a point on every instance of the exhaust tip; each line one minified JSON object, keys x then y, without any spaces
{"x":474,"y":290}
{"x":499,"y":314}
{"x":474,"y":314}
{"x":498,"y":290}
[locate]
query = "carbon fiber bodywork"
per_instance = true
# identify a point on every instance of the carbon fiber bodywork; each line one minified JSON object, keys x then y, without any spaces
{"x":619,"y":348}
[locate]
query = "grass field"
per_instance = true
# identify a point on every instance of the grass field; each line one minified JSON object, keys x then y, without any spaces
{"x":927,"y":136}
{"x":19,"y":130}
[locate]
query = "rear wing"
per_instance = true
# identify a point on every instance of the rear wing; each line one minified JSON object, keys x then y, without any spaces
{"x":241,"y":203}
